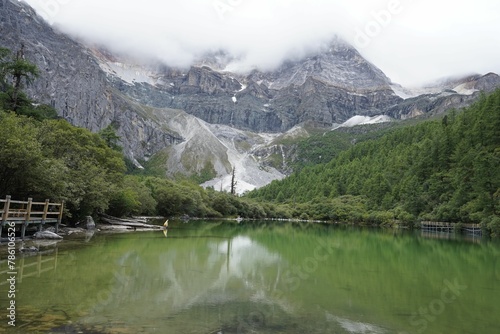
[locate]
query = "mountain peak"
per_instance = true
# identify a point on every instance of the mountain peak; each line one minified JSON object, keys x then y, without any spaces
{"x":335,"y":63}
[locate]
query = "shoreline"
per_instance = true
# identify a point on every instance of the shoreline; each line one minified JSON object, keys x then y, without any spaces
{"x":76,"y":233}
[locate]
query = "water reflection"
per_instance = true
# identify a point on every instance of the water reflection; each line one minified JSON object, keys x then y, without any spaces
{"x":192,"y":273}
{"x":470,"y":237}
{"x":214,"y":272}
{"x":32,"y":260}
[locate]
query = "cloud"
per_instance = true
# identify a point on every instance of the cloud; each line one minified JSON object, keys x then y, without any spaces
{"x":413,"y":41}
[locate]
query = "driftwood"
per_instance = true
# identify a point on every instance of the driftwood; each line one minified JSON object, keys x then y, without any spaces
{"x":134,"y":223}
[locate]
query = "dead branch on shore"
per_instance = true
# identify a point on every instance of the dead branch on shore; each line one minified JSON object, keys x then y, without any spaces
{"x":134,"y":223}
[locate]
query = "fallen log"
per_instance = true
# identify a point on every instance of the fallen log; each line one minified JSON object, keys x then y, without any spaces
{"x":128,"y":222}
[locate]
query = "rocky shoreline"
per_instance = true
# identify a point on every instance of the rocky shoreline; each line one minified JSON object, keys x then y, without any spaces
{"x":86,"y":229}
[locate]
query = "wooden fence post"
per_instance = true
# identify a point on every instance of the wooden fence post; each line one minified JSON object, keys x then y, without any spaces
{"x":6,"y":209}
{"x":28,"y":210}
{"x":5,"y":214}
{"x":27,"y":218}
{"x":59,"y":218}
{"x":44,"y":216}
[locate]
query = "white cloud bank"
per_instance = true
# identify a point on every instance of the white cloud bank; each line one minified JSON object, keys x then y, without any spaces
{"x":412,"y":41}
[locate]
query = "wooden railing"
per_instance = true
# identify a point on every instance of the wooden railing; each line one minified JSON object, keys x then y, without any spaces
{"x":28,"y":212}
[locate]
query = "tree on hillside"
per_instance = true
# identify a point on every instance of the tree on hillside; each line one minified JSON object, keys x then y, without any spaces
{"x":15,"y":73}
{"x":110,"y":137}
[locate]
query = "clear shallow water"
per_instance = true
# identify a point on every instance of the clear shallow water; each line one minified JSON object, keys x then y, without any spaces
{"x":259,"y":278}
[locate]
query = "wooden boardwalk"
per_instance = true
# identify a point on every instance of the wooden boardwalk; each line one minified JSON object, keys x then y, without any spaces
{"x":25,"y":213}
{"x":450,"y":227}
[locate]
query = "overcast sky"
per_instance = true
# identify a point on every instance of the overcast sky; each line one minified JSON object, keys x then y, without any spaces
{"x":412,"y":41}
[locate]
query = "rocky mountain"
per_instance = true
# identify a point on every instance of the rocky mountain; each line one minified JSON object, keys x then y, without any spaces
{"x":211,"y":118}
{"x":328,"y":87}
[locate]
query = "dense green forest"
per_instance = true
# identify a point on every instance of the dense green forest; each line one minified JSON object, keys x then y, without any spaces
{"x":444,"y":170}
{"x":322,"y":147}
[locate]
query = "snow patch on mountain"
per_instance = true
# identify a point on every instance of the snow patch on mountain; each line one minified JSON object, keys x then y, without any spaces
{"x":402,"y":92}
{"x":363,"y":120}
{"x":407,"y":93}
{"x":130,"y":74}
{"x":466,"y":88}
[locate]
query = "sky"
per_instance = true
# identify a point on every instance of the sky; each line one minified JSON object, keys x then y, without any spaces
{"x":414,"y":42}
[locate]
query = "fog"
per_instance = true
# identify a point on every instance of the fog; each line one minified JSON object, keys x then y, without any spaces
{"x":412,"y":41}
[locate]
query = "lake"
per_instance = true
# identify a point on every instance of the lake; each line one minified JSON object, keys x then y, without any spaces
{"x":259,"y":277}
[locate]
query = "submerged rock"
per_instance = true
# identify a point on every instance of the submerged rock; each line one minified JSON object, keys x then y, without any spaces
{"x":89,"y":223}
{"x":31,"y":249}
{"x":45,"y":243}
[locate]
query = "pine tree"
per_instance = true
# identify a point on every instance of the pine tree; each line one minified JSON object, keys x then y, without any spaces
{"x":20,"y":70}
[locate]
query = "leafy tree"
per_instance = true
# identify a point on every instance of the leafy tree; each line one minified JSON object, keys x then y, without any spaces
{"x":22,"y":159}
{"x":132,"y":197}
{"x":92,"y":169}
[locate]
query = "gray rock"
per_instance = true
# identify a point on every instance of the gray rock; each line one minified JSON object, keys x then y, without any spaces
{"x":47,"y":235}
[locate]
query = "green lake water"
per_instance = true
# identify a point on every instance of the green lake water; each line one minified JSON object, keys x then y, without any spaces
{"x":208,"y":277}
